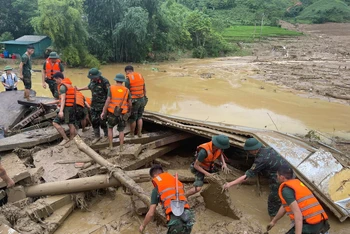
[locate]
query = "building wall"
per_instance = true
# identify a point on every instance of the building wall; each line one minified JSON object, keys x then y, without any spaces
{"x":39,"y":48}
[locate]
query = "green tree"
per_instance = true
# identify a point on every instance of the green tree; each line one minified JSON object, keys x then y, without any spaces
{"x":62,"y":21}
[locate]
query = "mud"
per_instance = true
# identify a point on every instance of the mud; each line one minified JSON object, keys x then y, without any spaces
{"x":340,"y":185}
{"x":254,"y":91}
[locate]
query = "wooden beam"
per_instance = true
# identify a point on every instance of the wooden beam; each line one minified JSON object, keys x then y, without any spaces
{"x":167,"y":140}
{"x":31,"y":138}
{"x":149,"y":155}
{"x":120,"y":175}
{"x":146,"y":138}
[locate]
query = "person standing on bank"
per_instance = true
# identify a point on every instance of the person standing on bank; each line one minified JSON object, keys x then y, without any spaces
{"x":164,"y":192}
{"x":136,"y":84}
{"x":267,"y":161}
{"x":51,"y":66}
{"x":300,"y":204}
{"x":206,"y":154}
{"x":99,"y":89}
{"x":25,"y":71}
{"x":9,"y":79}
{"x":118,"y":106}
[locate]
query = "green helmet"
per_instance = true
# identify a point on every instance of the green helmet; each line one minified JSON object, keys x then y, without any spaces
{"x":120,"y":77}
{"x":221,"y":141}
{"x":53,"y":55}
{"x":8,"y":68}
{"x":252,"y":144}
{"x":94,"y":73}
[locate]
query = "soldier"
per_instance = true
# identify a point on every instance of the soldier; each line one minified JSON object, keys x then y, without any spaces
{"x":164,"y":192}
{"x":99,"y":90}
{"x":118,"y":105}
{"x":206,"y":154}
{"x":303,"y":208}
{"x":136,"y":84}
{"x":25,"y":71}
{"x":71,"y":103}
{"x":267,"y":161}
{"x":51,"y":66}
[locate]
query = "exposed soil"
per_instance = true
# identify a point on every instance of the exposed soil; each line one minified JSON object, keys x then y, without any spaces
{"x":317,"y":63}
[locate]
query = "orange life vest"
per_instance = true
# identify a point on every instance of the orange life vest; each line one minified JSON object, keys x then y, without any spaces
{"x":51,"y":69}
{"x":166,"y":186}
{"x":211,"y":157}
{"x":119,"y":97}
{"x":311,"y":209}
{"x":71,"y":94}
{"x":137,"y":84}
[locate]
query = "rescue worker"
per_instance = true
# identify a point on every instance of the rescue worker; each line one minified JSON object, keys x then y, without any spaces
{"x":118,"y":106}
{"x":300,"y":204}
{"x":267,"y":161}
{"x":164,"y":192}
{"x":71,"y":107}
{"x":136,"y":84}
{"x":9,"y":79}
{"x":51,"y":66}
{"x":203,"y":166}
{"x":99,"y":89}
{"x":25,"y":71}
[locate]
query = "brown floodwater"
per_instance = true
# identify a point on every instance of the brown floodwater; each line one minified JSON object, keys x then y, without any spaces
{"x":229,"y":96}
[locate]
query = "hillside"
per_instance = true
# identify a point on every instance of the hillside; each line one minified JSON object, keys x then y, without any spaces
{"x":325,"y":11}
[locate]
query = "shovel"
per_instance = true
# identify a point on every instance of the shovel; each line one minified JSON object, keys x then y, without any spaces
{"x":177,"y":206}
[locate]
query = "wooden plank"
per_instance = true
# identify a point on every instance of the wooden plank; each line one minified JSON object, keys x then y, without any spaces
{"x":24,"y":122}
{"x":130,"y":152}
{"x":167,"y":140}
{"x":53,"y":171}
{"x":149,"y":155}
{"x":44,"y":207}
{"x":37,"y":101}
{"x":45,"y":117}
{"x":37,"y":126}
{"x":14,"y":167}
{"x":10,"y":108}
{"x":30,"y":138}
{"x":57,"y":218}
{"x":146,"y":138}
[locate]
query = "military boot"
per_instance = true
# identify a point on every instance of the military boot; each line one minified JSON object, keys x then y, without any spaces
{"x":139,"y":133}
{"x":121,"y":148}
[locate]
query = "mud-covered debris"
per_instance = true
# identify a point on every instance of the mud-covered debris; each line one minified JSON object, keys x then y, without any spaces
{"x":218,"y":200}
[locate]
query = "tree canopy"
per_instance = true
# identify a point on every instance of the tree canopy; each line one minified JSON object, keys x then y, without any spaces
{"x":85,"y":32}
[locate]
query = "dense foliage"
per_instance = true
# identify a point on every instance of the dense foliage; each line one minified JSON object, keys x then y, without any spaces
{"x":88,"y":31}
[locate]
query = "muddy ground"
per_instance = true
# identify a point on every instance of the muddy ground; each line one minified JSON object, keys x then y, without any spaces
{"x":317,"y":63}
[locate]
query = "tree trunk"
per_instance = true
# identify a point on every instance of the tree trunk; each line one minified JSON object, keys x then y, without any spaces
{"x":119,"y":174}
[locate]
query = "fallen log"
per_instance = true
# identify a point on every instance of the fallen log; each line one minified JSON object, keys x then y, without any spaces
{"x":82,"y":184}
{"x":120,"y":175}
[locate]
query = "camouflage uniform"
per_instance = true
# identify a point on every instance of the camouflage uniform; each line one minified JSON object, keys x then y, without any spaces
{"x":267,"y":162}
{"x":99,"y":91}
{"x":176,"y":225}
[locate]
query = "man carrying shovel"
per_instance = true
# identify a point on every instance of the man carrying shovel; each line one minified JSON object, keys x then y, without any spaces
{"x":169,"y":191}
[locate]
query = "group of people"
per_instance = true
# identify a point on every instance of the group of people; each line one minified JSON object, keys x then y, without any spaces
{"x":110,"y":105}
{"x":288,"y":195}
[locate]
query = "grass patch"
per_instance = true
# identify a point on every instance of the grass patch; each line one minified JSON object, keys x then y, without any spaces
{"x":252,"y":33}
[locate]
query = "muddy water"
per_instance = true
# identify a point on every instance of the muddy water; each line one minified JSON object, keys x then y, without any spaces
{"x":229,"y":96}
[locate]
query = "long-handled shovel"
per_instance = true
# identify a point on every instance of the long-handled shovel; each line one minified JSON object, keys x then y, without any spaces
{"x":177,"y":206}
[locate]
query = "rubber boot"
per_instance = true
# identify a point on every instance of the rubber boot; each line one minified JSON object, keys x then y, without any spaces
{"x":139,"y":133}
{"x":121,"y":148}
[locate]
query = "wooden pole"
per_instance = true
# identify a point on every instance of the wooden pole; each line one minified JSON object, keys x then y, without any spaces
{"x":119,"y":174}
{"x":82,"y":184}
